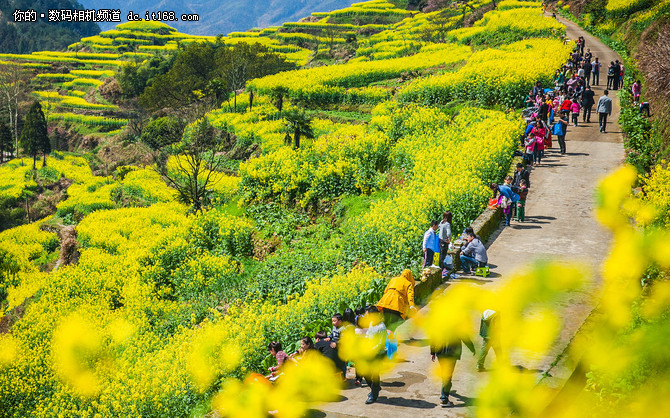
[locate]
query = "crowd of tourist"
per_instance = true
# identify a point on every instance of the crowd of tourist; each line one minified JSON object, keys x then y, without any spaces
{"x":549,"y":113}
{"x":377,"y":323}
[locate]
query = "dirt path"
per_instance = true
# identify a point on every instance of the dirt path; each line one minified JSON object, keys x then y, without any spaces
{"x":560,"y":223}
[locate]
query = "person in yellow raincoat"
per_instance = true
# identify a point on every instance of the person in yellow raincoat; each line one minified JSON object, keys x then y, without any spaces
{"x":398,"y":299}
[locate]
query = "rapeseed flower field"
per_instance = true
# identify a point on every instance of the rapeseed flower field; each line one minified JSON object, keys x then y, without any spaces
{"x":167,"y":313}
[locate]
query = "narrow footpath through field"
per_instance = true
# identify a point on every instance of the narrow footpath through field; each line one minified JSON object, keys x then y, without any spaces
{"x":560,"y":223}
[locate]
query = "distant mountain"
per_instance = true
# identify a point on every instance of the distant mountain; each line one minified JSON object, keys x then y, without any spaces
{"x":23,"y":37}
{"x":221,"y":16}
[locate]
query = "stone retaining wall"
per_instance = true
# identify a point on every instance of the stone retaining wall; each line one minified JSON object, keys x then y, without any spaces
{"x":484,"y":226}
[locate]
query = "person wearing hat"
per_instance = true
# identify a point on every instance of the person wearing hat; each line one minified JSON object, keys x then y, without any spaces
{"x":397,"y":302}
{"x":488,"y":330}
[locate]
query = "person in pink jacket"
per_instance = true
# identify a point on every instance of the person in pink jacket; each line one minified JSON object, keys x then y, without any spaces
{"x":575,"y":108}
{"x":636,"y":89}
{"x":539,"y":132}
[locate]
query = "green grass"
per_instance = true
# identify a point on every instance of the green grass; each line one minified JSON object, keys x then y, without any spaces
{"x":351,"y":207}
{"x":341,"y":116}
{"x":233,"y":208}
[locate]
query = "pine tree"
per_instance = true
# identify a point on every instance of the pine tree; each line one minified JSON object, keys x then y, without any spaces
{"x":6,"y":142}
{"x":34,"y":138}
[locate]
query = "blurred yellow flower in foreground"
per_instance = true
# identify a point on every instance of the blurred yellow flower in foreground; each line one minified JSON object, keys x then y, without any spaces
{"x":310,"y":382}
{"x":76,"y":347}
{"x":9,"y":350}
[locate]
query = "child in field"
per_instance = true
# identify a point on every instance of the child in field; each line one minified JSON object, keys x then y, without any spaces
{"x":275,"y":349}
{"x":530,"y":148}
{"x":575,"y":108}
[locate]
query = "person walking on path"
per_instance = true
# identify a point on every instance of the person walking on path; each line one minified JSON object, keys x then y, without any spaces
{"x":587,"y":71}
{"x":595,"y":70}
{"x":604,"y":110}
{"x":447,"y":356}
{"x":539,"y":132}
{"x":445,"y":237}
{"x":488,"y":330}
{"x":587,"y":104}
{"x":376,"y":333}
{"x":560,"y":128}
{"x":431,"y":244}
{"x":397,"y":300}
{"x":575,"y":108}
{"x":610,"y":75}
{"x":617,"y":75}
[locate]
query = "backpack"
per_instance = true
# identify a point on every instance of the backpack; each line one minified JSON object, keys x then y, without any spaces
{"x":610,"y":71}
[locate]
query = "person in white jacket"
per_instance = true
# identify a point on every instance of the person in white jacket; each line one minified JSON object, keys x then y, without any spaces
{"x":604,"y":110}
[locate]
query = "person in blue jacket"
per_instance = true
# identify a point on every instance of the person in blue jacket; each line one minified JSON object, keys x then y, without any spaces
{"x":431,"y":244}
{"x":511,"y":197}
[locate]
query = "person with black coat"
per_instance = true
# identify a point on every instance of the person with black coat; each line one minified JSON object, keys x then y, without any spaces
{"x":587,"y":72}
{"x":543,"y":112}
{"x":520,"y":173}
{"x":587,"y":104}
{"x":447,"y":355}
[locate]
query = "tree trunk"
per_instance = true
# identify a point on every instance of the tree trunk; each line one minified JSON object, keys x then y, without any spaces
{"x":296,"y":136}
{"x":34,"y":162}
{"x":16,"y":127}
{"x":44,"y":160}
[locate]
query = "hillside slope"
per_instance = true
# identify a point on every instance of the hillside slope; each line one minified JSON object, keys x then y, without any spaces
{"x":223,"y":17}
{"x":25,"y":37}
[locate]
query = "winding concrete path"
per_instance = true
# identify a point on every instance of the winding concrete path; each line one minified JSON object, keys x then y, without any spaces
{"x":560,"y":224}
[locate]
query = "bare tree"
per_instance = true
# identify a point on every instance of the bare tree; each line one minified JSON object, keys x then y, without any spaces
{"x":13,"y":84}
{"x":236,"y":76}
